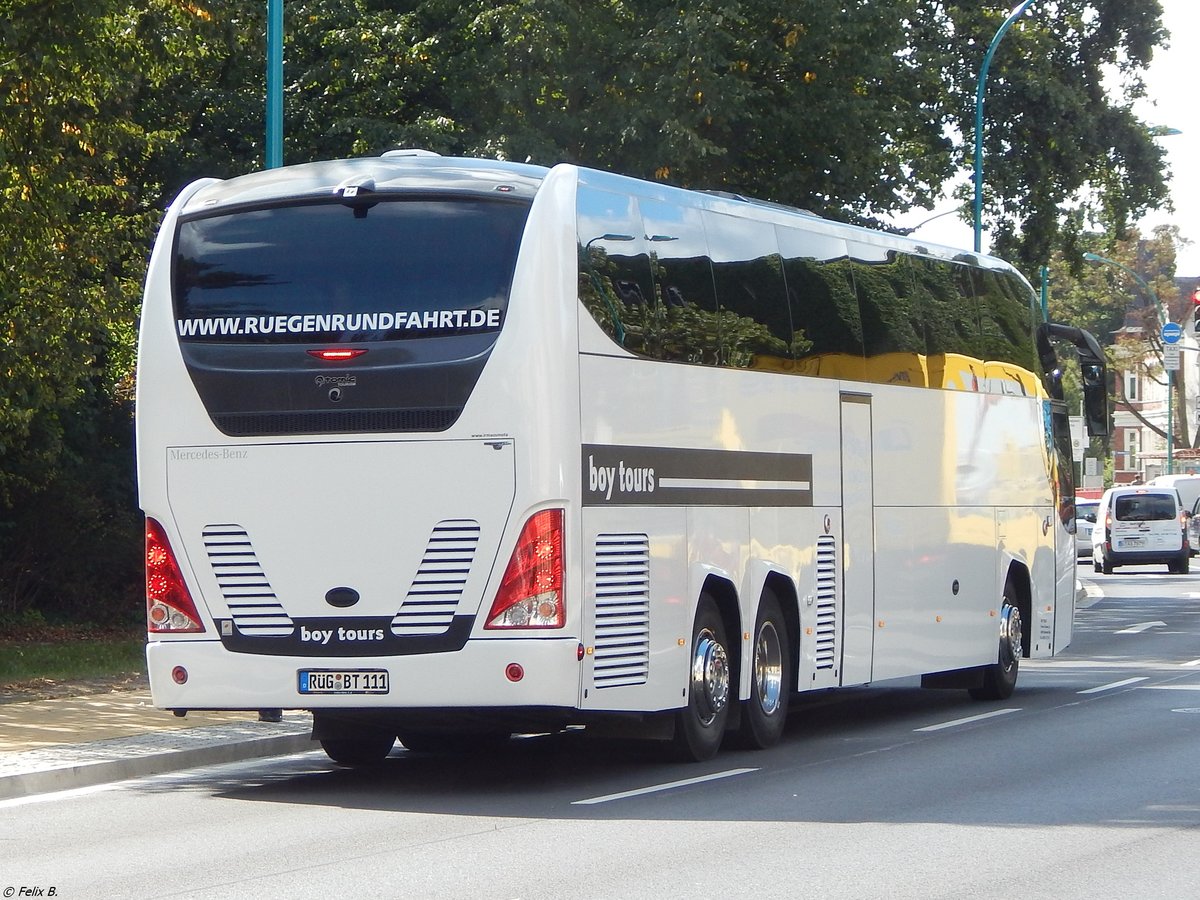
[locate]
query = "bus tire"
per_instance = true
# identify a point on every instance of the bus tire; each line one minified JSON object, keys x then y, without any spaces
{"x":700,"y":726}
{"x":1000,"y":678}
{"x":362,"y":750}
{"x":765,"y":712}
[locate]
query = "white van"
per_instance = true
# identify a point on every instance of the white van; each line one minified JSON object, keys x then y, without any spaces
{"x":1138,"y":525}
{"x":1188,"y":487}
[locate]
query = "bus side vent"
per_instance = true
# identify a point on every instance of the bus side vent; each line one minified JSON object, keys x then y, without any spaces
{"x":826,"y":651}
{"x":432,"y":600}
{"x":252,"y":602}
{"x":333,"y":422}
{"x":622,"y":656}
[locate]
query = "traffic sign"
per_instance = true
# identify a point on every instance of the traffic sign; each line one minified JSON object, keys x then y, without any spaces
{"x":1171,"y":357}
{"x":1172,"y":332}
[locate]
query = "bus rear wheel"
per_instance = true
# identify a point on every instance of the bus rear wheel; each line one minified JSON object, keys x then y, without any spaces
{"x":765,"y":712}
{"x":1000,"y":678}
{"x":700,"y":726}
{"x":365,"y":749}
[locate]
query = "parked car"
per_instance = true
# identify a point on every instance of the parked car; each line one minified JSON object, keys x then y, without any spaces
{"x":1193,"y":528}
{"x":1085,"y":519}
{"x":1138,"y":525}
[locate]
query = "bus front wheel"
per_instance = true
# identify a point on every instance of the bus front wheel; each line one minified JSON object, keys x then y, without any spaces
{"x":1000,"y":678}
{"x":700,"y":726}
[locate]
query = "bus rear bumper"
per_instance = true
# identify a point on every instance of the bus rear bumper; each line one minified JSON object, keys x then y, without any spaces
{"x":485,"y":673}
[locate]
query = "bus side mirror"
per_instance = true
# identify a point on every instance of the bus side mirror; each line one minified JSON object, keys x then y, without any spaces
{"x":1094,"y":371}
{"x":1095,"y":399}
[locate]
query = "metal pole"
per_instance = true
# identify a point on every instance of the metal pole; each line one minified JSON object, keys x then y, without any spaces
{"x":274,"y":149}
{"x":983,"y":70}
{"x":1170,"y":423}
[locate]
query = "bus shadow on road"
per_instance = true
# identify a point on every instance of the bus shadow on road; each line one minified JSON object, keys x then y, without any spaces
{"x":871,"y":754}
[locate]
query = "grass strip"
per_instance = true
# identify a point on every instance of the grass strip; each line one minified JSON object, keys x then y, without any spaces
{"x":22,"y":661}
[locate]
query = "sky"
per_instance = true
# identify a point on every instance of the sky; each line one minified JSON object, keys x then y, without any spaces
{"x":1171,"y":102}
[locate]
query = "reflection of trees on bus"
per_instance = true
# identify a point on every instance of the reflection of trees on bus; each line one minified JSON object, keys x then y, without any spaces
{"x":870,"y":313}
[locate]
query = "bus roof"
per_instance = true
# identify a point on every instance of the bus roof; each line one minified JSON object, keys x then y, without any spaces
{"x":401,"y":171}
{"x":408,"y":170}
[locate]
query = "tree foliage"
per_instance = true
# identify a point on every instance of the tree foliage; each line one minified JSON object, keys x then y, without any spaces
{"x":851,"y":109}
{"x":1124,"y":301}
{"x":1064,"y":153}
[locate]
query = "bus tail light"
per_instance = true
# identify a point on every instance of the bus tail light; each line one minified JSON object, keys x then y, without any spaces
{"x":169,"y":606}
{"x":531,"y":592}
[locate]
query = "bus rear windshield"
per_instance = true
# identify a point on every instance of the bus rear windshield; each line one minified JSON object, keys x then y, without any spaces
{"x":330,"y":272}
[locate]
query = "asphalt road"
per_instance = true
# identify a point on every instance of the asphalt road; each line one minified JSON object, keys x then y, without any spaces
{"x":1084,"y":784}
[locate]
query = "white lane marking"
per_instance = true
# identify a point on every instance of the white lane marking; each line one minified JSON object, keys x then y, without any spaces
{"x":654,"y":789}
{"x":1194,"y":662}
{"x":1140,"y":627}
{"x":1172,"y":687}
{"x":1113,"y":686}
{"x":968,"y":720}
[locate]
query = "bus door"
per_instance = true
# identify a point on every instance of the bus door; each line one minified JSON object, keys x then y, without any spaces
{"x":858,"y":539}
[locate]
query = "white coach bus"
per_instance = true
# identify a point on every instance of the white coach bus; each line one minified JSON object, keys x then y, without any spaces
{"x":448,"y":449}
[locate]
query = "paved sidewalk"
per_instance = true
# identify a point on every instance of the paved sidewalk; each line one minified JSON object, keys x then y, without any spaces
{"x":73,"y":742}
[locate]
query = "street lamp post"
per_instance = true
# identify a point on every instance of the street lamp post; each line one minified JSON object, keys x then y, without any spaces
{"x":274,"y":146}
{"x":1017,"y":12}
{"x":1162,"y":319}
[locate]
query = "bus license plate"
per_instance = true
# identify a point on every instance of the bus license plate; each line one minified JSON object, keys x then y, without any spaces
{"x":343,"y":681}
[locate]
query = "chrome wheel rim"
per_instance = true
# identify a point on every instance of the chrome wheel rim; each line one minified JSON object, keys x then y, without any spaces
{"x":710,"y":677}
{"x":1010,"y":635}
{"x":768,"y":668}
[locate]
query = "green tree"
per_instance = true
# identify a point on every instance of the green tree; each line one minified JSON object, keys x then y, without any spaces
{"x":1064,"y":152}
{"x":72,"y":230}
{"x":1109,"y":302}
{"x":75,"y":223}
{"x":852,"y":110}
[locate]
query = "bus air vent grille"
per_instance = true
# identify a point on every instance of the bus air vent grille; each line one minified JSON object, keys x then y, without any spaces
{"x":826,"y":650}
{"x":252,"y":603}
{"x":336,"y":422}
{"x":622,"y":655}
{"x":433,"y":597}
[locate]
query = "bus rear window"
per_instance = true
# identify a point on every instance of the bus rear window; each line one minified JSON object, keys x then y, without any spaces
{"x":330,"y":272}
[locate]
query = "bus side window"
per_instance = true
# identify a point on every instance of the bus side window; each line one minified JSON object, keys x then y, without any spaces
{"x":1006,"y":318}
{"x":754,"y":322}
{"x":892,"y":337}
{"x":684,"y":320}
{"x":827,"y":335}
{"x":614,"y":267}
{"x":946,"y":302}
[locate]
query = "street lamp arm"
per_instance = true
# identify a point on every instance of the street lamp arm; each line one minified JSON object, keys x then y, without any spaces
{"x":1017,"y":12}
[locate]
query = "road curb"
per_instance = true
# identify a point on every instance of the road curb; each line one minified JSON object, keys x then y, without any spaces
{"x":65,"y":768}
